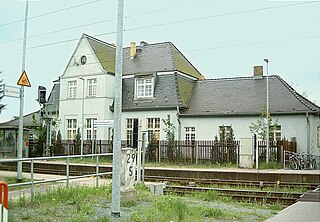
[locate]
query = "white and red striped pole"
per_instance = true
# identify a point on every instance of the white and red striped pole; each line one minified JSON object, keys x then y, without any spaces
{"x":4,"y":202}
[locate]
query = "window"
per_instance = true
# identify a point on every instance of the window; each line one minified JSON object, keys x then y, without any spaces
{"x":71,"y":129}
{"x":144,"y":88}
{"x":275,"y":133}
{"x":153,"y":128}
{"x":91,"y":131}
{"x":318,"y":136}
{"x":129,"y":131}
{"x":83,"y":60}
{"x":72,"y":89}
{"x":190,"y":133}
{"x":92,"y":87}
{"x":226,"y":133}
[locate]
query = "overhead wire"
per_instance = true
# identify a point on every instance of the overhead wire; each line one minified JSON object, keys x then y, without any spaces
{"x":183,"y":21}
{"x":103,"y":21}
{"x":51,"y":12}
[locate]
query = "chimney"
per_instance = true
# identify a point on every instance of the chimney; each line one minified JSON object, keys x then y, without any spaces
{"x":133,"y":50}
{"x":258,"y":72}
{"x":143,"y":43}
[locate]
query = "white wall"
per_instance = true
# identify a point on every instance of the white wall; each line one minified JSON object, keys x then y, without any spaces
{"x":291,"y":126}
{"x":143,"y":115}
{"x":94,"y":107}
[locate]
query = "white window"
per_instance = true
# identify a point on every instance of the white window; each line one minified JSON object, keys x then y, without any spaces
{"x":91,"y":131}
{"x":226,"y":133}
{"x":144,"y":88}
{"x":72,"y":89}
{"x":190,"y":133}
{"x":153,"y":128}
{"x":71,"y":129}
{"x":318,"y":136}
{"x":92,"y":87}
{"x":129,"y":131}
{"x":275,"y":133}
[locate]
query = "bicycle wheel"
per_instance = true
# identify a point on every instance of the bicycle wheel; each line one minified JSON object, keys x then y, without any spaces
{"x":312,"y":164}
{"x":294,"y":163}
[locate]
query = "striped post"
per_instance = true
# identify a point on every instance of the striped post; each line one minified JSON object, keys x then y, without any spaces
{"x":3,"y":202}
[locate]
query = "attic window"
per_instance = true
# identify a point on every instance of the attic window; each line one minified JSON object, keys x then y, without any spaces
{"x":83,"y":60}
{"x":144,"y":88}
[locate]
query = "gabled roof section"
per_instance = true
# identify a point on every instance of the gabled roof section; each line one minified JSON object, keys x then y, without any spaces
{"x":246,"y":96}
{"x":105,"y":53}
{"x":158,"y":57}
{"x":182,"y":64}
{"x":27,"y":121}
{"x":185,"y":87}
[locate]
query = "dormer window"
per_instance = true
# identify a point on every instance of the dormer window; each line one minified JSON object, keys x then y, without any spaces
{"x":144,"y":88}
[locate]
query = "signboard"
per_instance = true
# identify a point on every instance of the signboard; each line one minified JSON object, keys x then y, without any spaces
{"x":103,"y":123}
{"x":11,"y":91}
{"x":24,"y":80}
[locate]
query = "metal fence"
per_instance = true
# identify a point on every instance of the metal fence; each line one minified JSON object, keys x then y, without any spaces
{"x":66,"y":178}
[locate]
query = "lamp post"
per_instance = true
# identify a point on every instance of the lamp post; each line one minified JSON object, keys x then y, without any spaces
{"x":82,"y":116}
{"x":268,"y":114}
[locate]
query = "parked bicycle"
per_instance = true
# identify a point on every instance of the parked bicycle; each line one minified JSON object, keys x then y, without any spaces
{"x":300,"y":161}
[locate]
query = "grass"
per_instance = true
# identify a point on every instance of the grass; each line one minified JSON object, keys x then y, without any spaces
{"x":84,"y":203}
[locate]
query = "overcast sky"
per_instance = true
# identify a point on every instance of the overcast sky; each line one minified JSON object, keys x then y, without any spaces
{"x":222,"y":39}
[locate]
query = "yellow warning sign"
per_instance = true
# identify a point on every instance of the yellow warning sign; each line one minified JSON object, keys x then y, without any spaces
{"x":24,"y":80}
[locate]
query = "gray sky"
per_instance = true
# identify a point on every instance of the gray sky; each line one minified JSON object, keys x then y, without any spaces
{"x":222,"y":39}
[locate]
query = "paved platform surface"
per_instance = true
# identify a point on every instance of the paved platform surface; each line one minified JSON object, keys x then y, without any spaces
{"x":298,"y":212}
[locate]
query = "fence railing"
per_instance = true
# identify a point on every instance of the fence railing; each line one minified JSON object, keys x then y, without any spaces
{"x":73,"y":147}
{"x":199,"y":151}
{"x":66,"y":178}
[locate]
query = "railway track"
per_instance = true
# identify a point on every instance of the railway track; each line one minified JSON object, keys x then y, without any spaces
{"x":284,"y":198}
{"x":232,"y":183}
{"x":241,"y":190}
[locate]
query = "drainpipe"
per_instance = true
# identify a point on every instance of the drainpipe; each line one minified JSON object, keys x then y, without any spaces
{"x":308,"y":133}
{"x":179,"y":124}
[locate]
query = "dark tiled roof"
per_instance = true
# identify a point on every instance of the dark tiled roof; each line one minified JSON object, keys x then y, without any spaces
{"x":165,"y":94}
{"x":243,"y":96}
{"x":150,"y":58}
{"x":27,"y":121}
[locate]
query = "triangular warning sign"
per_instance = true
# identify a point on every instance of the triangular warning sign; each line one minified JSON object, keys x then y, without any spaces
{"x":24,"y":80}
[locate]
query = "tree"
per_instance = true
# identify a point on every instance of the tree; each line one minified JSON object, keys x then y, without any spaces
{"x":169,"y":130}
{"x":259,"y":127}
{"x":40,"y":135}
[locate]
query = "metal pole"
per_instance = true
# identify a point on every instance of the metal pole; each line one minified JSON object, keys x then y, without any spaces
{"x":20,"y":133}
{"x":139,"y":153}
{"x":32,"y":179}
{"x":267,"y":122}
{"x":82,"y":116}
{"x":116,"y":163}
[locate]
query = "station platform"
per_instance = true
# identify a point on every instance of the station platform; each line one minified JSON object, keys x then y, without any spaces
{"x":306,"y":209}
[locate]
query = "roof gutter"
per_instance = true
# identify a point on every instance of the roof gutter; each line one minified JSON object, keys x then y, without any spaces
{"x":179,"y":123}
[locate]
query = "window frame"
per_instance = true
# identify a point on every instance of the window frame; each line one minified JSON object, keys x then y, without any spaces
{"x":144,"y":88}
{"x":72,"y":89}
{"x":153,"y":127}
{"x":71,"y":128}
{"x":90,"y":129}
{"x":92,"y":87}
{"x":190,"y":134}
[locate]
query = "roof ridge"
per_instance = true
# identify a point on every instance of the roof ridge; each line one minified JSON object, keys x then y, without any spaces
{"x":156,"y":43}
{"x":98,"y":40}
{"x":299,"y":97}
